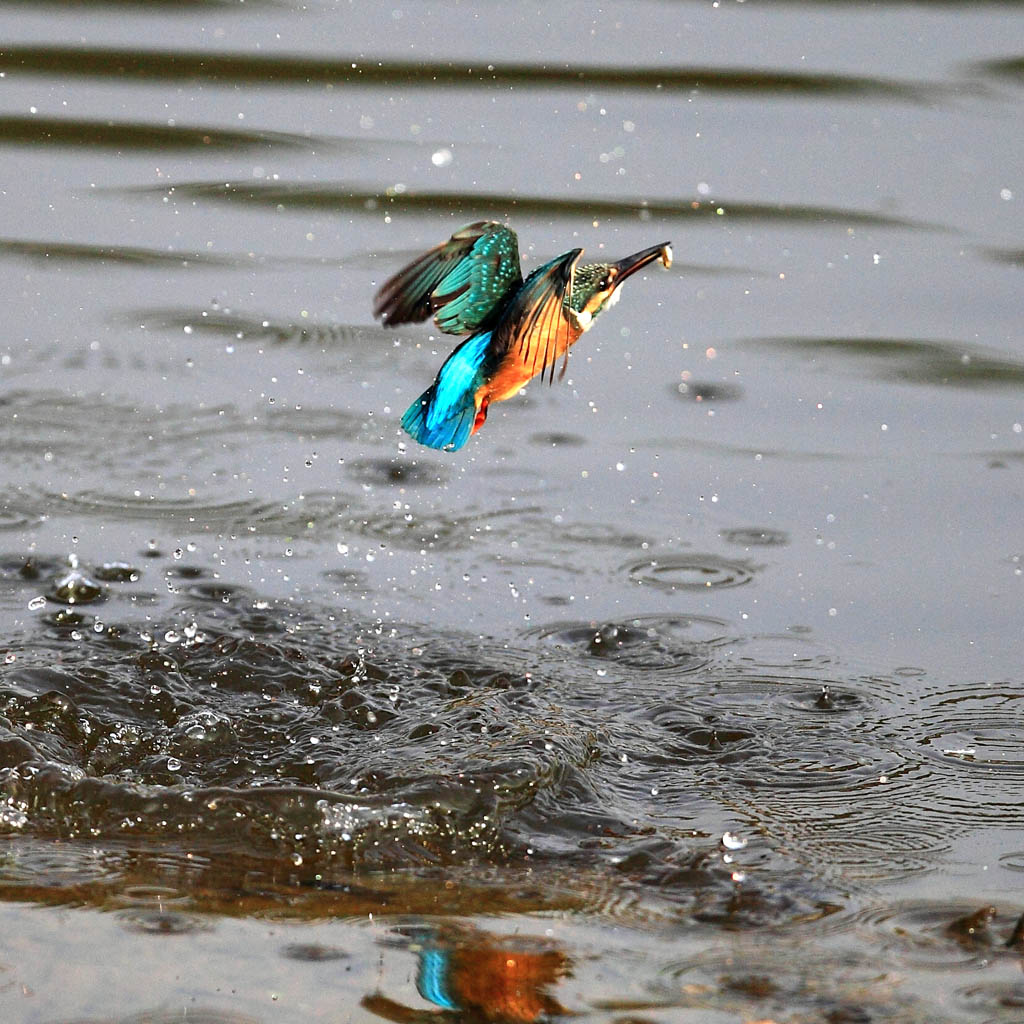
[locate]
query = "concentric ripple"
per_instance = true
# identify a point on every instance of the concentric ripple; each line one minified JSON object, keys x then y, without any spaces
{"x":942,"y":936}
{"x":184,"y":511}
{"x":978,"y":729}
{"x":697,"y":571}
{"x":972,"y":739}
{"x":15,"y":519}
{"x":755,"y":536}
{"x":679,"y":642}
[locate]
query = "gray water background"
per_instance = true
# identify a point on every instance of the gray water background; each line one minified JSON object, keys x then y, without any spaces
{"x":755,"y":569}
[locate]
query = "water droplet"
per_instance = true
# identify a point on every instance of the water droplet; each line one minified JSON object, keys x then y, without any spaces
{"x":731,"y":841}
{"x":173,"y":764}
{"x":36,"y":603}
{"x":442,"y":157}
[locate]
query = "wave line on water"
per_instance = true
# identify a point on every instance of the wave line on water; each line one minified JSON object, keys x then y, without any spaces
{"x":291,"y":69}
{"x":86,"y":252}
{"x":142,"y":136}
{"x":306,"y":196}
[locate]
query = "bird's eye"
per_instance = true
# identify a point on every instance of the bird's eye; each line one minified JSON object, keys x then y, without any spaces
{"x":604,"y":284}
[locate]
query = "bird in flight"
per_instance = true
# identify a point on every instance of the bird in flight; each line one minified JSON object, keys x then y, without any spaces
{"x":473,"y":285}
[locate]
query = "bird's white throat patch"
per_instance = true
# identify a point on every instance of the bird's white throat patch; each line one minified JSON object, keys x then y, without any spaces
{"x":583,"y":321}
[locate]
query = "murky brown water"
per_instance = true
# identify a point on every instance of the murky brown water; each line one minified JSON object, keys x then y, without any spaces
{"x":690,"y":690}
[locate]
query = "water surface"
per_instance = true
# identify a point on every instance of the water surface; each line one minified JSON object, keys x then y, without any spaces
{"x":688,"y":690}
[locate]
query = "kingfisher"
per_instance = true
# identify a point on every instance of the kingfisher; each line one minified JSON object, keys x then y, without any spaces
{"x":516,"y":329}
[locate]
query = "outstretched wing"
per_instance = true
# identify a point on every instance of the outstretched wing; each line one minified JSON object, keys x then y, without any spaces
{"x":535,"y":330}
{"x":465,"y":281}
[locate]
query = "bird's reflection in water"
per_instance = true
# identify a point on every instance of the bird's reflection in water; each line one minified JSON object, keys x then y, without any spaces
{"x":477,"y":976}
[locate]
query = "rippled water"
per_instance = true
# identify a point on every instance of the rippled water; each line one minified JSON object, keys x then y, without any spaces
{"x":689,"y":690}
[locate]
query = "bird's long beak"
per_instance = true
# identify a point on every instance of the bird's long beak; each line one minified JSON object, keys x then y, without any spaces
{"x":639,"y":260}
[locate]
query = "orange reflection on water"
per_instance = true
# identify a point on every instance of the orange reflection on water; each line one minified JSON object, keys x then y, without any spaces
{"x":492,"y":978}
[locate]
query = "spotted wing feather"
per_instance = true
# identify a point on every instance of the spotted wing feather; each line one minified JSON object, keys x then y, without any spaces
{"x":465,"y":281}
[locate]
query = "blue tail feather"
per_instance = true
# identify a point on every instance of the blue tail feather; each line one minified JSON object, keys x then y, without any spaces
{"x":443,"y":416}
{"x":422,"y":424}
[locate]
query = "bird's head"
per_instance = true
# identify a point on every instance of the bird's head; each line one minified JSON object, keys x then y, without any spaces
{"x":596,"y":286}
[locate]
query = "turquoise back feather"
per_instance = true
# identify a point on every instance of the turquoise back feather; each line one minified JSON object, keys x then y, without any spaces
{"x":477,"y":287}
{"x":443,"y":416}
